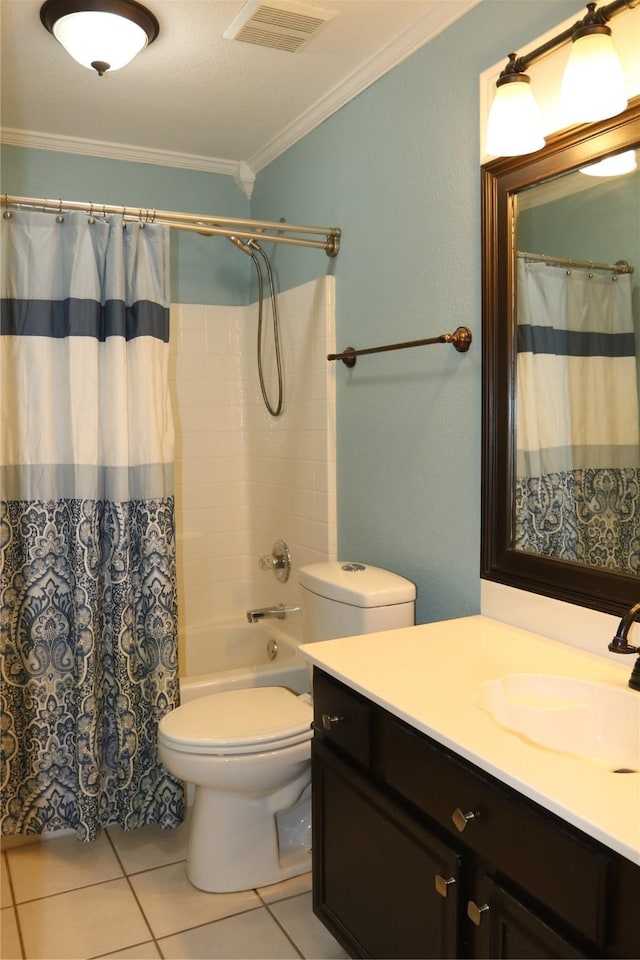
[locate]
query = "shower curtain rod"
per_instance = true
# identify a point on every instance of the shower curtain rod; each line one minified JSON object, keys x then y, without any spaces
{"x":621,"y":266}
{"x":196,"y":223}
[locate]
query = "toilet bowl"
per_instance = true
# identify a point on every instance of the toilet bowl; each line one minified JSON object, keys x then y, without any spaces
{"x":248,"y":752}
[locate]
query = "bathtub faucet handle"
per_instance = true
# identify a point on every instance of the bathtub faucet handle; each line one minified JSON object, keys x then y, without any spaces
{"x":279,"y":561}
{"x":264,"y":613}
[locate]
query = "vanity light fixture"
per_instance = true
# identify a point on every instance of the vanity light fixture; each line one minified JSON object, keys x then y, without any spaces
{"x":515,"y":125}
{"x":593,"y":85}
{"x":100,"y":34}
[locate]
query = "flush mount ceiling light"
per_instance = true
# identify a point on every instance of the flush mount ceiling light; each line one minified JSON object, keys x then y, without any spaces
{"x":100,"y":34}
{"x":593,"y":85}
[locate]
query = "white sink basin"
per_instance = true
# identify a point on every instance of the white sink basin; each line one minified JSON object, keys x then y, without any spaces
{"x":594,"y":721}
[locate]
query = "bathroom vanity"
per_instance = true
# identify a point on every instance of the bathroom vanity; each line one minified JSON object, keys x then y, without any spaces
{"x":438,"y":832}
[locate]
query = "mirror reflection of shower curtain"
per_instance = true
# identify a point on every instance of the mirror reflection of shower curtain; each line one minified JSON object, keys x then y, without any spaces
{"x":578,"y":433}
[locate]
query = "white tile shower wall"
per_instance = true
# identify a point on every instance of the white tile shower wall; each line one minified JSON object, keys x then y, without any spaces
{"x":212,"y":513}
{"x":243,"y":478}
{"x":292,"y":457}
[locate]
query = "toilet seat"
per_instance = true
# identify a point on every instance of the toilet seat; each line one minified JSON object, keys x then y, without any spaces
{"x":234,"y":722}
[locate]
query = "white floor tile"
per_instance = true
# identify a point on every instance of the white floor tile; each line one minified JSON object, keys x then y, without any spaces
{"x":46,"y":868}
{"x":310,"y":936}
{"x":6,"y":899}
{"x":170,"y":903}
{"x":144,"y":951}
{"x":250,"y":935}
{"x":150,"y":846}
{"x":82,"y":923}
{"x":9,"y":940}
{"x":287,"y":888}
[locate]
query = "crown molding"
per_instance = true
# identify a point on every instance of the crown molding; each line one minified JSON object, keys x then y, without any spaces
{"x":116,"y":151}
{"x":440,"y":16}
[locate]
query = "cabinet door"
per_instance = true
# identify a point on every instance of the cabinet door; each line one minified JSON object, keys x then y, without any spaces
{"x":503,"y":929}
{"x":382,"y":884}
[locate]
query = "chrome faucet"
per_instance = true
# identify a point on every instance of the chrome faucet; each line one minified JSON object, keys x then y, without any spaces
{"x":620,"y":643}
{"x":279,"y":612}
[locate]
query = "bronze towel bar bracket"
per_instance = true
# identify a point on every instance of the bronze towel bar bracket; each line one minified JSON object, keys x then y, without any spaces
{"x":461,"y":339}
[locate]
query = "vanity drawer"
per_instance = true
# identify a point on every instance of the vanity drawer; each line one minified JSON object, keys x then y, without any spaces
{"x":524,"y":845}
{"x":342,"y":717}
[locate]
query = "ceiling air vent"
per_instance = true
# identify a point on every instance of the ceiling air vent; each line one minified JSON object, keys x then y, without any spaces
{"x":277,"y":24}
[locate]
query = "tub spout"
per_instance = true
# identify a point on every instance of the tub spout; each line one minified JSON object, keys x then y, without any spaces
{"x":279,"y":612}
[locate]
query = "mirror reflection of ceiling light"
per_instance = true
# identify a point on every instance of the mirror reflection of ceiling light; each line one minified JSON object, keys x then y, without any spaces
{"x":593,"y":85}
{"x":100,"y":34}
{"x":614,"y":166}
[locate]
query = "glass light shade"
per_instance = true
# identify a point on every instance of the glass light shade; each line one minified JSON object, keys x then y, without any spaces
{"x":615,"y":166}
{"x":515,"y":125}
{"x":90,"y":36}
{"x":593,"y":86}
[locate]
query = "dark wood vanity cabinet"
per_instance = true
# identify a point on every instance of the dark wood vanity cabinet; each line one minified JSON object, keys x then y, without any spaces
{"x":418,"y":853}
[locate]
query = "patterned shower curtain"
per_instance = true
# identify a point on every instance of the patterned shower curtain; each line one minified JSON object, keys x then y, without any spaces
{"x":578,"y":449}
{"x":87,"y":563}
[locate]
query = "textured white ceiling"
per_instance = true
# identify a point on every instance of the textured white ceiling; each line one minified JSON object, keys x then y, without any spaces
{"x":193,"y":92}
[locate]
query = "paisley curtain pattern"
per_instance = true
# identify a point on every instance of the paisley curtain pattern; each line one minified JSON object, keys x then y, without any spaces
{"x":586,"y":516}
{"x":87,"y":547}
{"x":578,"y":425}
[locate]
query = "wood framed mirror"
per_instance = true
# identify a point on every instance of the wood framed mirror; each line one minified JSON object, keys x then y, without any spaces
{"x":598,"y":584}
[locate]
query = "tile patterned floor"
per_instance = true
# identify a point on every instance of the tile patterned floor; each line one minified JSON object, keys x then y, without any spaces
{"x":127,"y":895}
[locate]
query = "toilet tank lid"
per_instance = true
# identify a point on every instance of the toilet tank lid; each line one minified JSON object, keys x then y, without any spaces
{"x":359,"y":584}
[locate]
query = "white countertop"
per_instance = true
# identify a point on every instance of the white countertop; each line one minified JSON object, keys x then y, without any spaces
{"x":430,"y":675}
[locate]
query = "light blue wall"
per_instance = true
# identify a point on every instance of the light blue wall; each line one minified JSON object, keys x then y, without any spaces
{"x":398,"y":170}
{"x":601,"y":222}
{"x":203,"y":270}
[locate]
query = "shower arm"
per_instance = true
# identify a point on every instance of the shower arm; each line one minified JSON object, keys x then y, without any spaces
{"x":274,"y":231}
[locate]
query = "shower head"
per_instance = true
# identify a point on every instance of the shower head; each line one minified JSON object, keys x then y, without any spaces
{"x":247,"y":246}
{"x":241,"y":244}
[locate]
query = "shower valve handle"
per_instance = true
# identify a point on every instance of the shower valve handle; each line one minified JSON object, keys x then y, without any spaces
{"x":279,"y":561}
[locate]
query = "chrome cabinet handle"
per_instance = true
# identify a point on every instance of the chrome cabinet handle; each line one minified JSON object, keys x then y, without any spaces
{"x":443,"y":884}
{"x":328,"y":721}
{"x":461,"y":819}
{"x":474,"y":912}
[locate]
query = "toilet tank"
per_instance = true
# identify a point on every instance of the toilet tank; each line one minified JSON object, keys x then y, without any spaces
{"x":344,"y":599}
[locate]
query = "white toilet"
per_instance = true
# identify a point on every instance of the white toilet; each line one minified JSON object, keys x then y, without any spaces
{"x":248,"y":751}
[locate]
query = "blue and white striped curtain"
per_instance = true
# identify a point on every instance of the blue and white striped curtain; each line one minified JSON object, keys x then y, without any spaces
{"x":87,"y":576}
{"x":578,"y":434}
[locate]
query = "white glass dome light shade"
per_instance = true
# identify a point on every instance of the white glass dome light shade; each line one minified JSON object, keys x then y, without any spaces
{"x":93,"y":37}
{"x":100,"y":34}
{"x":514,"y":126}
{"x":593,"y":84}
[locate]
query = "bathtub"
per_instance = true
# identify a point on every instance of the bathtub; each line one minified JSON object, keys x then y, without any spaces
{"x":227,"y":654}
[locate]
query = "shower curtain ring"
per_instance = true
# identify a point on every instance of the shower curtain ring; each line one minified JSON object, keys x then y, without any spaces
{"x":60,"y":218}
